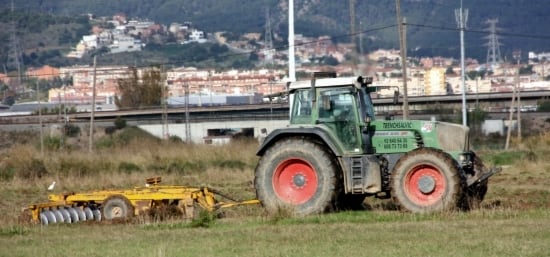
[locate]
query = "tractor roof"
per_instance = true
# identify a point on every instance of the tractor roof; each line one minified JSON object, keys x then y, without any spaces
{"x":324,"y":82}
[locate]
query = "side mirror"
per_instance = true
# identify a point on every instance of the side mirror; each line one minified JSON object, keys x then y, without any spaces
{"x":395,"y":97}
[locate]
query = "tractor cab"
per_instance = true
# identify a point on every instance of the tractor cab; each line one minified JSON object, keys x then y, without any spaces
{"x":342,"y":105}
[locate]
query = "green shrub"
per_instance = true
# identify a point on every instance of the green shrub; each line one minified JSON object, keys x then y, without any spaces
{"x":105,"y":142}
{"x":175,"y":139}
{"x":52,"y":143}
{"x":230,"y":164}
{"x":128,"y":167}
{"x":72,"y":130}
{"x":507,"y":158}
{"x":31,"y":170}
{"x":110,"y":130}
{"x":543,"y":106}
{"x":7,"y":174}
{"x":204,"y":219}
{"x":77,"y":167}
{"x":120,"y":123}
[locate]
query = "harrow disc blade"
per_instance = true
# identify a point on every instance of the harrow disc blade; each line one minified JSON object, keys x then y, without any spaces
{"x":81,"y":214}
{"x":43,"y":219}
{"x":50,"y":216}
{"x":74,"y":215}
{"x":66,"y":215}
{"x":58,"y":216}
{"x":97,"y":214}
{"x":88,"y":213}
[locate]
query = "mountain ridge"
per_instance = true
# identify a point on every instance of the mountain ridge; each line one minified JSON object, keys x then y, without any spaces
{"x":432,"y":29}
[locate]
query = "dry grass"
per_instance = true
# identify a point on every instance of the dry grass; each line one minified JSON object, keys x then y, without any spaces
{"x":25,"y":175}
{"x":512,"y":221}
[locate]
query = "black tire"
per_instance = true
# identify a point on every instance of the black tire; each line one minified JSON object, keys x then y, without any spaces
{"x":117,"y":207}
{"x":298,"y":176}
{"x":427,"y":180}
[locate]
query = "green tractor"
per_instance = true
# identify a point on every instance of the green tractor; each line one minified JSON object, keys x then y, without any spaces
{"x":334,"y":153}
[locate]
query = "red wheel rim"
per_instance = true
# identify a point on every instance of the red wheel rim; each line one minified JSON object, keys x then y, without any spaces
{"x":295,"y":181}
{"x":425,"y":185}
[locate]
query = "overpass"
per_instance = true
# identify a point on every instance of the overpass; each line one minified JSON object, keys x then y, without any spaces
{"x":213,"y":124}
{"x":490,"y":102}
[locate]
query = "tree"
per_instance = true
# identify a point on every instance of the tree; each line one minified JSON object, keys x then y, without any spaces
{"x":140,"y":92}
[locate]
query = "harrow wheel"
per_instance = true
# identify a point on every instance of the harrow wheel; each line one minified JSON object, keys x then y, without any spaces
{"x":117,"y":207}
{"x":427,"y":180}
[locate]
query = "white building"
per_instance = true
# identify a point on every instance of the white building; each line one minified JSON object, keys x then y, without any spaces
{"x":125,"y":44}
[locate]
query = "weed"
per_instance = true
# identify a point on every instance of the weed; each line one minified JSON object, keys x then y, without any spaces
{"x":204,"y":219}
{"x":15,"y":230}
{"x":282,"y":213}
{"x":52,"y":143}
{"x":7,"y":174}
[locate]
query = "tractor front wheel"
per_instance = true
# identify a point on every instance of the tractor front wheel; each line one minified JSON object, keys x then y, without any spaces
{"x":296,"y":175}
{"x":427,"y":180}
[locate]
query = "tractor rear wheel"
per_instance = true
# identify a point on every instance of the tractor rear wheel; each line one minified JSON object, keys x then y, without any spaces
{"x":117,"y":207}
{"x":427,"y":180}
{"x":298,"y":176}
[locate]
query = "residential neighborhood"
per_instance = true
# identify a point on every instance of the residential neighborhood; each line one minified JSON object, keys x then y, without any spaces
{"x":209,"y":86}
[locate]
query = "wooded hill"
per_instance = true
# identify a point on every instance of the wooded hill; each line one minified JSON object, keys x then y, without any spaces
{"x":432,"y":27}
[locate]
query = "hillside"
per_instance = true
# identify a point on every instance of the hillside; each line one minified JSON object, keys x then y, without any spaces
{"x":431,"y":30}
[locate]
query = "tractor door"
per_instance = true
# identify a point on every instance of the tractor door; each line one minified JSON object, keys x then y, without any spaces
{"x":337,"y":110}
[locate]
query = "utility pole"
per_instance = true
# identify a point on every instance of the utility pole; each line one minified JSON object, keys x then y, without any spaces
{"x":187,"y":124}
{"x":510,"y":119}
{"x":91,"y":139}
{"x":517,"y":56}
{"x":352,"y":33}
{"x":403,"y":49}
{"x":40,"y":119}
{"x":14,"y":53}
{"x":61,"y":141}
{"x":268,"y":40}
{"x":462,"y":17}
{"x":291,"y":61}
{"x":165,"y":131}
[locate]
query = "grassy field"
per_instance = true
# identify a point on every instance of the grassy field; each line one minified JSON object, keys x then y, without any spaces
{"x":513,"y":221}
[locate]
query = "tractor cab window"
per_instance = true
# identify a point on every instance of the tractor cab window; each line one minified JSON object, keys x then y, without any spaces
{"x":337,"y":111}
{"x":301,"y":107}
